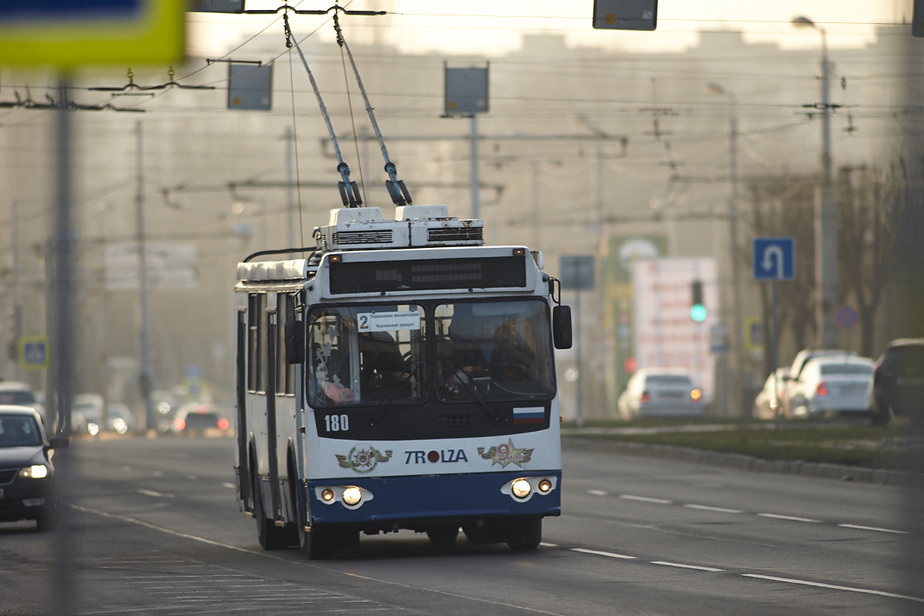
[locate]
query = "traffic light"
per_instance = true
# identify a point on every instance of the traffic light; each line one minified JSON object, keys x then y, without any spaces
{"x":697,"y":309}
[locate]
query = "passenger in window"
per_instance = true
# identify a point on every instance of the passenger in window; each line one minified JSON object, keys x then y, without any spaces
{"x":489,"y":346}
{"x":384,"y":371}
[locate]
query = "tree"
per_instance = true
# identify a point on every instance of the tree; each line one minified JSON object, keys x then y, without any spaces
{"x":868,"y":200}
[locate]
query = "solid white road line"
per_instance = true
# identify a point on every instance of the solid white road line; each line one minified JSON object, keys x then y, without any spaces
{"x":645,"y":499}
{"x":608,"y":554}
{"x":682,"y":566}
{"x":791,"y":518}
{"x":878,"y":530}
{"x":864,"y":591}
{"x":719,"y":509}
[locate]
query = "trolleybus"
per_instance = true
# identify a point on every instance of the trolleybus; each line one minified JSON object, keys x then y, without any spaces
{"x":398,"y":375}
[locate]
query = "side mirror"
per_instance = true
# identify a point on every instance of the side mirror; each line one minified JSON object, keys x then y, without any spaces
{"x":561,"y":327}
{"x":295,"y":342}
{"x":58,"y":442}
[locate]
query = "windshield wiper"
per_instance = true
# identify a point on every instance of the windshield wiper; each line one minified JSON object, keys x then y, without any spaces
{"x":393,"y":390}
{"x":466,"y":380}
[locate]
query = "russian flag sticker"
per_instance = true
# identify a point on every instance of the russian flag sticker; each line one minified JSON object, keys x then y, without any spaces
{"x":531,"y":414}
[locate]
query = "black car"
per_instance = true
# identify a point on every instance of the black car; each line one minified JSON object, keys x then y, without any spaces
{"x":898,"y":382}
{"x":27,"y":482}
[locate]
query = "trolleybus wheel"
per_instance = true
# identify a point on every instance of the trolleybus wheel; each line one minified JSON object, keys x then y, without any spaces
{"x":271,"y":537}
{"x":525,"y":535}
{"x":316,"y":543}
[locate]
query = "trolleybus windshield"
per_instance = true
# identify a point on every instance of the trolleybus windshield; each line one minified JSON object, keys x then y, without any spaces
{"x":400,"y":354}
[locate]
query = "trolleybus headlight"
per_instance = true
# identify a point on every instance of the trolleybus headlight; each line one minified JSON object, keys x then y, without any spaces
{"x":545,"y":486}
{"x":520,"y":488}
{"x":327,"y":495}
{"x":352,"y":495}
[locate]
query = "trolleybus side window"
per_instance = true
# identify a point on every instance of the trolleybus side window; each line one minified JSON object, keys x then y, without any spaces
{"x":285,"y":372}
{"x":498,"y":350}
{"x":256,"y":343}
{"x":367,"y":355}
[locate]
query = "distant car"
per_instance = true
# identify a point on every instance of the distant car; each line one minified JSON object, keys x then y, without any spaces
{"x":27,"y":474}
{"x":119,"y":418}
{"x":832,"y":385}
{"x":21,"y":394}
{"x":762,"y":404}
{"x":165,"y":404}
{"x":897,"y":388}
{"x":660,"y":392}
{"x":795,"y":370}
{"x":87,"y":414}
{"x":200,"y":419}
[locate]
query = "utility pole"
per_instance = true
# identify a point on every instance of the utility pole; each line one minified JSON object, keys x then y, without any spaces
{"x":145,"y":376}
{"x":734,"y":356}
{"x":825,"y":209}
{"x":17,"y":293}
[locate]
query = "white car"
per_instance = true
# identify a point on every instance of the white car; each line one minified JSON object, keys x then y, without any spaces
{"x":20,"y":394}
{"x":764,"y":402}
{"x":832,"y":385}
{"x":795,"y":372}
{"x":660,"y":392}
{"x":87,"y":414}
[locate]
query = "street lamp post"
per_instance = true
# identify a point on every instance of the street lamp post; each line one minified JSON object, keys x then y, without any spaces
{"x":734,"y":357}
{"x":825,"y":210}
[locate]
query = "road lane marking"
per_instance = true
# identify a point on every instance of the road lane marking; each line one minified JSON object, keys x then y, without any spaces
{"x":718,"y":509}
{"x":597,"y":492}
{"x":608,"y":554}
{"x":682,"y":566}
{"x":305,"y":563}
{"x":874,"y":528}
{"x":646,"y":499}
{"x":791,"y":518}
{"x":157,"y":494}
{"x":864,"y":591}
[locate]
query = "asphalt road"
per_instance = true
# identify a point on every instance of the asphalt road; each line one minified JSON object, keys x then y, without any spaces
{"x":152,"y":527}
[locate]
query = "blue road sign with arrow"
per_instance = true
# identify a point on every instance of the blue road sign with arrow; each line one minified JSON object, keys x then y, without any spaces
{"x":774,"y":258}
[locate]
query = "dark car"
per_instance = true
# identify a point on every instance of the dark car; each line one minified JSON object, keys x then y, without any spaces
{"x":204,"y":419}
{"x":898,"y":382}
{"x":27,"y":482}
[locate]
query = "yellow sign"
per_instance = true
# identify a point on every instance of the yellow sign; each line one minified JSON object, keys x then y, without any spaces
{"x":72,"y":33}
{"x":754,"y":334}
{"x":33,"y":352}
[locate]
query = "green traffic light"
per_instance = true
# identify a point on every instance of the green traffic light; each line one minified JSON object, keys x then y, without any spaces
{"x":698,"y":313}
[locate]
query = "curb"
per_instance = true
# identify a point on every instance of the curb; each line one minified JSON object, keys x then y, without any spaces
{"x":749,"y":463}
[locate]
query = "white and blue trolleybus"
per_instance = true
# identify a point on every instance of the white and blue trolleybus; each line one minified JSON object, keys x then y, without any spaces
{"x":398,"y":375}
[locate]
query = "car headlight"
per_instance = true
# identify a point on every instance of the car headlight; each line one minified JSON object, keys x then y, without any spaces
{"x":352,"y":496}
{"x":36,"y":471}
{"x":523,"y":489}
{"x":520,"y":488}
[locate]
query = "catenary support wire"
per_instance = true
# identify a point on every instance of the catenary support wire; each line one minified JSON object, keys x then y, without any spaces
{"x":349,"y":192}
{"x":396,"y":188}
